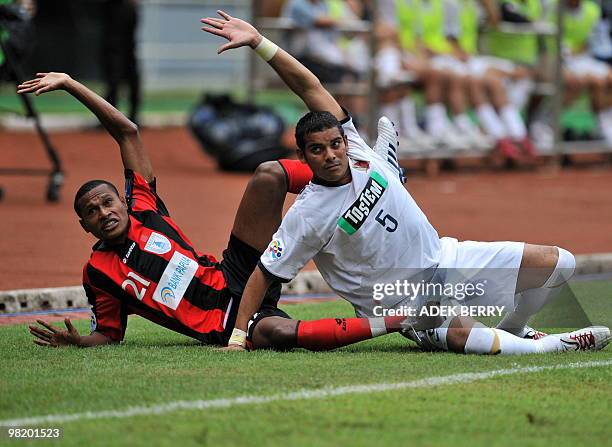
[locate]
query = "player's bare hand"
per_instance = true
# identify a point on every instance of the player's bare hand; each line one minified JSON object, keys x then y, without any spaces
{"x":53,"y":337}
{"x":233,"y":348}
{"x":44,"y":82}
{"x":238,"y":32}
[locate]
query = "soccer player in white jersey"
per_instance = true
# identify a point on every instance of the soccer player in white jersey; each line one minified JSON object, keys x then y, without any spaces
{"x":361,"y":227}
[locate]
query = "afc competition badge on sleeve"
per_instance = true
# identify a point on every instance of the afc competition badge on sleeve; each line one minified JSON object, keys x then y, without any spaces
{"x":275,"y":250}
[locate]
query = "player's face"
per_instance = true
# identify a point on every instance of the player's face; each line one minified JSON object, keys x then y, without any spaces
{"x":325,"y":154}
{"x":104,"y":214}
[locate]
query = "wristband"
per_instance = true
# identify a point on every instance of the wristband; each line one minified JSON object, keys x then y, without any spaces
{"x":238,"y":338}
{"x":266,"y":49}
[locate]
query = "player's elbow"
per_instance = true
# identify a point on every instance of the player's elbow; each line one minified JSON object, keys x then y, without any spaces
{"x":130,"y":130}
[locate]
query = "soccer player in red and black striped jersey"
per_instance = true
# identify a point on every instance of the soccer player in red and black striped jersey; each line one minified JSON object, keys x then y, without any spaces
{"x":144,"y":264}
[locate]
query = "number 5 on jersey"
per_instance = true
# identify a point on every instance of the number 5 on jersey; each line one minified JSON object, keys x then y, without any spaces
{"x":392,"y":222}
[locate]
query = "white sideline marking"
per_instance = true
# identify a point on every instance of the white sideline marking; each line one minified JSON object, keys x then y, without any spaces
{"x":304,"y":394}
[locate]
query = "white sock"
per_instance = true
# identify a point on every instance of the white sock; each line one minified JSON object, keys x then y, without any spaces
{"x":484,"y":340}
{"x":392,"y":111}
{"x":408,"y":123}
{"x":519,"y":91}
{"x":464,"y":123}
{"x":436,"y":120}
{"x":605,"y":124}
{"x":513,"y":121}
{"x":527,"y":303}
{"x":491,"y":123}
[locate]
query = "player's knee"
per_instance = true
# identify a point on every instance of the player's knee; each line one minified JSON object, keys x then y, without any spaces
{"x":270,"y":174}
{"x":276,"y":333}
{"x":283,"y":337}
{"x":565,"y":267}
{"x":433,"y":75}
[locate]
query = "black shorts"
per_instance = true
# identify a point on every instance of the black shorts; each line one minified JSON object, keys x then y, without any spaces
{"x":264,"y":311}
{"x":239,"y":261}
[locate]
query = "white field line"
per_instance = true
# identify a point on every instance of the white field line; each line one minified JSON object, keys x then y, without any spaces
{"x":304,"y":394}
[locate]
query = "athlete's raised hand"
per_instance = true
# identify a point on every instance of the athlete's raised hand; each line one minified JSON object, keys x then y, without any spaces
{"x":44,"y":82}
{"x":238,"y":32}
{"x":53,"y":337}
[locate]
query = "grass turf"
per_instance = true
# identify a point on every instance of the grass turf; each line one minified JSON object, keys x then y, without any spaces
{"x":154,"y":366}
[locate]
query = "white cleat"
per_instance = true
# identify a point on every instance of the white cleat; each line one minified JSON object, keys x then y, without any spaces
{"x":478,"y":141}
{"x":387,"y":145}
{"x":450,"y":139}
{"x":416,"y":141}
{"x":531,"y":333}
{"x":591,"y":338}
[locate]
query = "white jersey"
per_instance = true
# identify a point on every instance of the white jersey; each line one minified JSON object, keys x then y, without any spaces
{"x":358,"y":234}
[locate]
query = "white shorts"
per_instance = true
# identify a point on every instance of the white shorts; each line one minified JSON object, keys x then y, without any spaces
{"x":586,"y":65}
{"x":450,"y":63}
{"x":389,"y":67}
{"x":490,"y":267}
{"x":479,"y":65}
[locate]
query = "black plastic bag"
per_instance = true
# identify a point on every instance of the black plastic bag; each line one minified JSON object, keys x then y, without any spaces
{"x":238,"y":136}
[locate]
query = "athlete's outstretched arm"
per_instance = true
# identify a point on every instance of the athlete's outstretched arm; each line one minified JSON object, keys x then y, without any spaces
{"x":118,"y":125}
{"x":297,"y":77}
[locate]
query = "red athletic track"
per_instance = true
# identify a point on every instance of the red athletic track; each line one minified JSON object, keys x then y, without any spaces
{"x":42,"y":245}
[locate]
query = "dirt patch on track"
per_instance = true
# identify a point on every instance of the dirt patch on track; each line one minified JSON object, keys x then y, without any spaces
{"x":42,"y":245}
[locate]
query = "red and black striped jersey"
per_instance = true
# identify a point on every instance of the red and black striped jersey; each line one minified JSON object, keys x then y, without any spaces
{"x":155,"y":273}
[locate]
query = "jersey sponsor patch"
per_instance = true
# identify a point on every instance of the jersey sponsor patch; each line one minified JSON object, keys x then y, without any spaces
{"x":275,"y":249}
{"x":158,"y":243}
{"x":353,"y":218}
{"x":175,"y":280}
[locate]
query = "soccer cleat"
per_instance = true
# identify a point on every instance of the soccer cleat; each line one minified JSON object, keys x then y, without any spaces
{"x":590,"y":338}
{"x":451,"y":139}
{"x":428,"y":340}
{"x":526,"y":145}
{"x":416,"y":141}
{"x":542,"y":135}
{"x":531,"y":333}
{"x":387,"y":145}
{"x":477,"y":140}
{"x":508,"y":150}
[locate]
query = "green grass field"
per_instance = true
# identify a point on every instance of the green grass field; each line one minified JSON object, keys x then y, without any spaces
{"x":557,"y":407}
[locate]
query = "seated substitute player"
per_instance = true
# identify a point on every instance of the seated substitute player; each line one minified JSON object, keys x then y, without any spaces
{"x":144,"y":264}
{"x":358,"y":223}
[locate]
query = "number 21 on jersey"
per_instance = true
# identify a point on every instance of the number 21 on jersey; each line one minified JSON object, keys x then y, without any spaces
{"x":138,"y":285}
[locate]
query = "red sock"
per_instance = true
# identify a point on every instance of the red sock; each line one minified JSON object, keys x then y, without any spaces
{"x":330,"y":333}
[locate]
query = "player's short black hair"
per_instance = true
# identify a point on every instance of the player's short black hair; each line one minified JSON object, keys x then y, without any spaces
{"x":315,"y":122}
{"x":88,"y":186}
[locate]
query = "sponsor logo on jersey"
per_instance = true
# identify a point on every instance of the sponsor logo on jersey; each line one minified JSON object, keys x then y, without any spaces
{"x":353,"y":218}
{"x":158,"y":243}
{"x":129,"y":252}
{"x":275,"y":249}
{"x":174,"y":281}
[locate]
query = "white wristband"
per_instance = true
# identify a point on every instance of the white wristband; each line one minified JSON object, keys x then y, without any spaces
{"x":266,"y":49}
{"x":238,"y":338}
